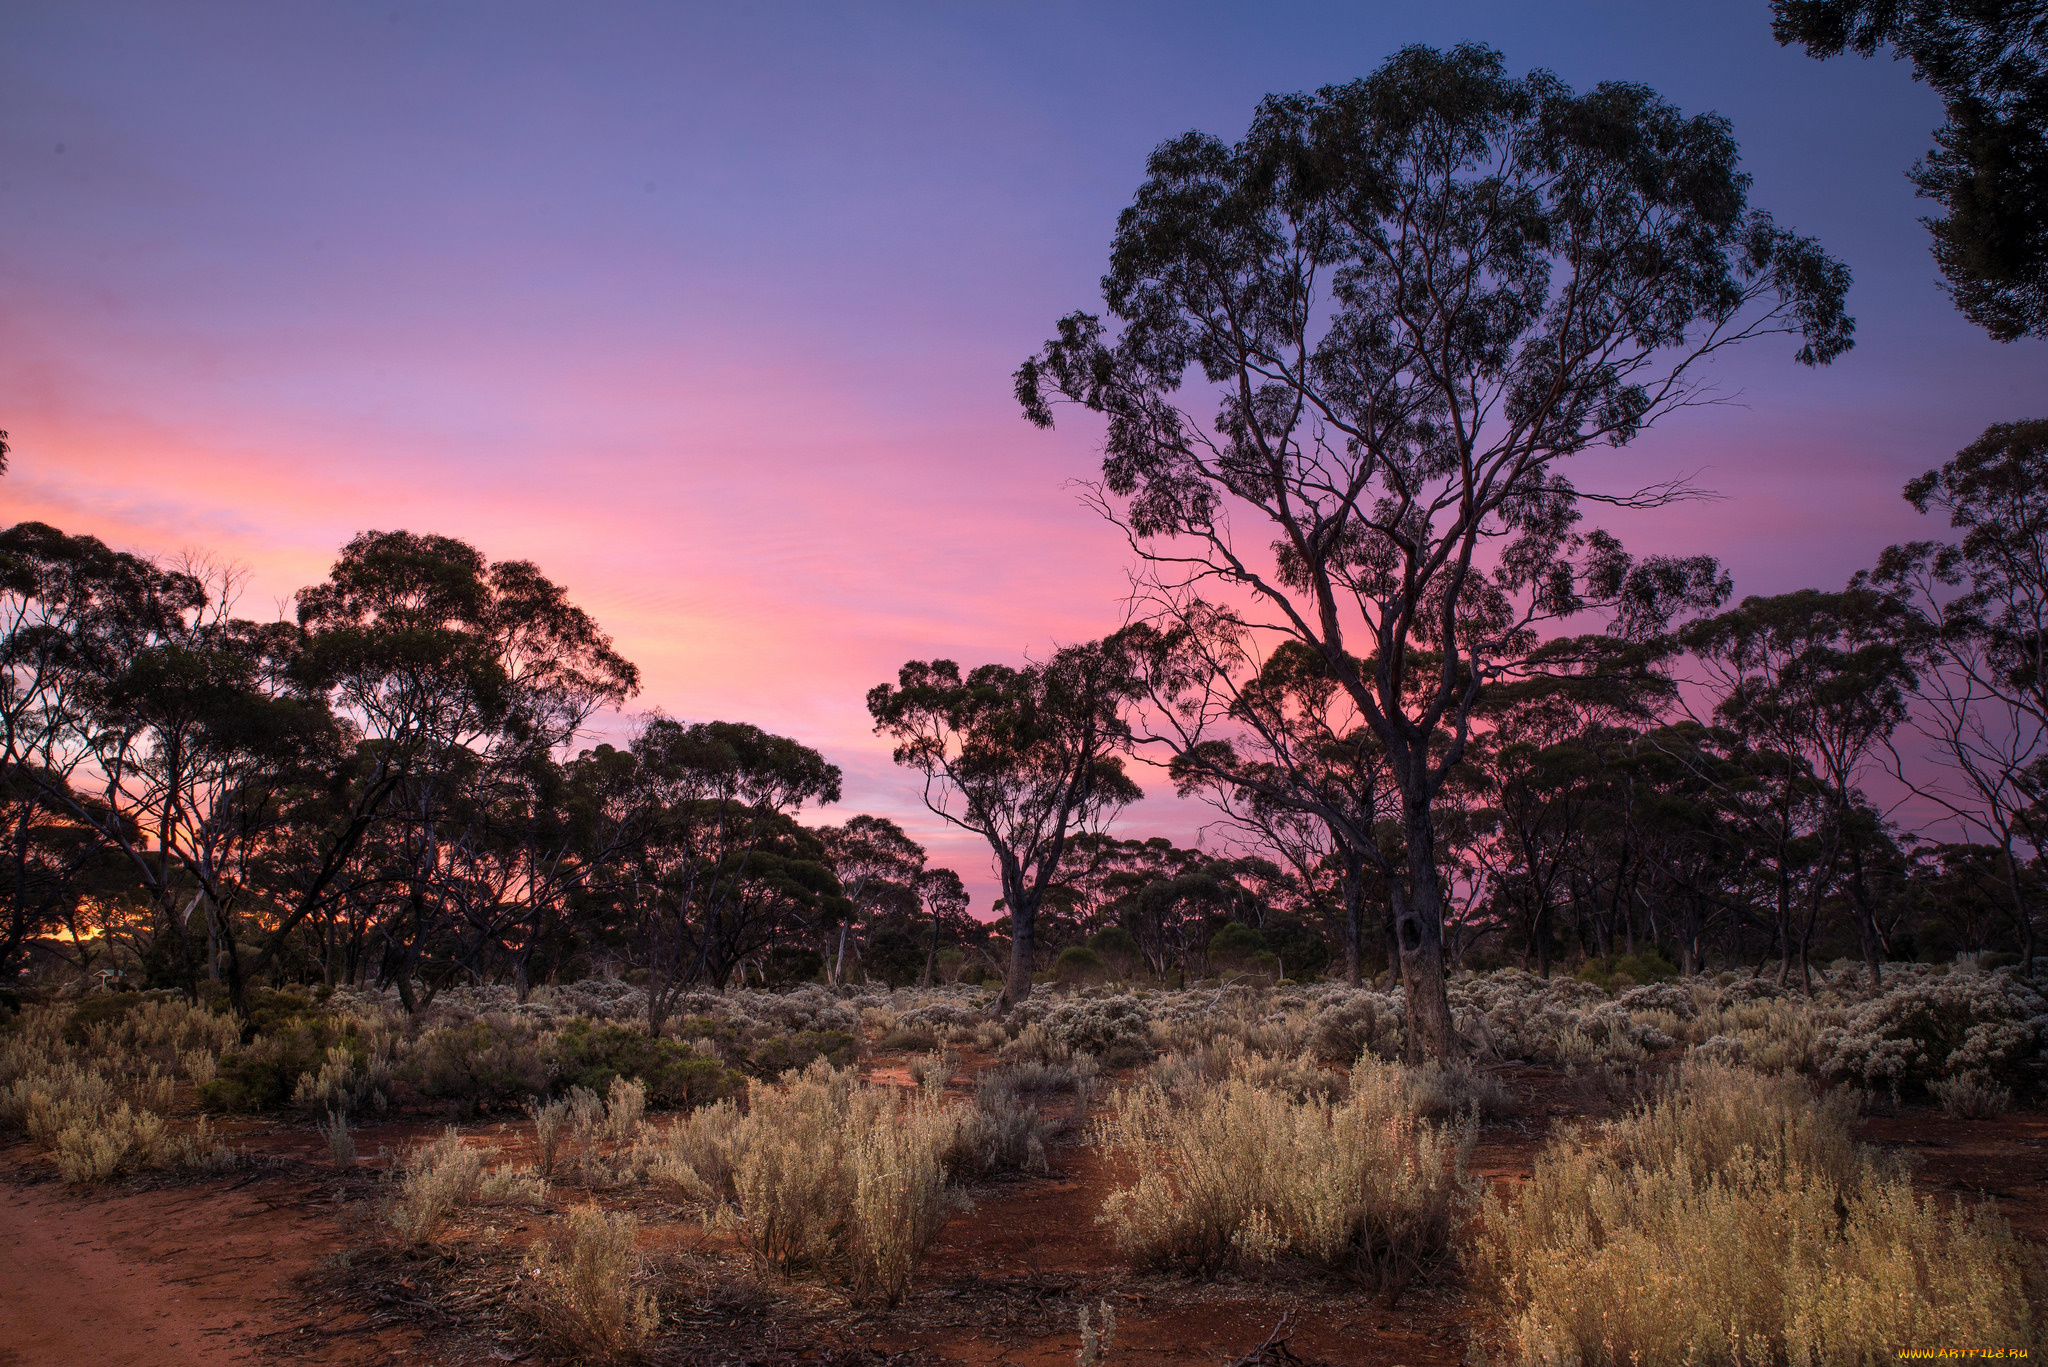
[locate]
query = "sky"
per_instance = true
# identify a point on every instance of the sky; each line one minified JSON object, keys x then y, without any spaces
{"x":710,"y":310}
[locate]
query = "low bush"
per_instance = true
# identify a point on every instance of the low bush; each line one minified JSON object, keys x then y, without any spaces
{"x":1993,"y":1026}
{"x":1080,"y":964}
{"x":1733,"y":1221}
{"x":263,"y":1074}
{"x":821,"y":1173}
{"x":1002,"y":1131}
{"x":779,"y":1054}
{"x":674,"y":1074}
{"x":432,"y":1183}
{"x":492,"y":1060}
{"x":592,"y":1300}
{"x":1238,"y":1175}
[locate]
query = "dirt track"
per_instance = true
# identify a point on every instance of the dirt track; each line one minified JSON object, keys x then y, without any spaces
{"x":182,"y":1275}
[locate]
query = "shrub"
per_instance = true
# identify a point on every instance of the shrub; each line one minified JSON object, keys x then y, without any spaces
{"x":674,"y":1074}
{"x":1353,"y":1025}
{"x":592,"y":1301}
{"x":341,"y":1146}
{"x":1103,"y":1026}
{"x":1614,"y":972}
{"x":822,"y":1173}
{"x":1079,"y":964}
{"x":1992,"y":1025}
{"x":1117,"y":948}
{"x":1971,"y":1098}
{"x":779,"y":1054}
{"x":1002,"y":1132}
{"x":431,"y":1184}
{"x":494,"y":1059}
{"x":1239,"y":1175}
{"x":264,"y":1074}
{"x":1440,"y":1090}
{"x":1765,"y":1236}
{"x":344,"y":1084}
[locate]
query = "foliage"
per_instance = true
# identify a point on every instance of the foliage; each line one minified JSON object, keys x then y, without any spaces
{"x":1765,"y":1235}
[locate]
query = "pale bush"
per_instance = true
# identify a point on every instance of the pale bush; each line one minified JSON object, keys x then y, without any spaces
{"x":1438,"y":1090}
{"x":1971,"y":1098}
{"x":931,"y":1072}
{"x":550,"y":1128}
{"x":433,"y":1183}
{"x":821,"y":1173}
{"x":594,"y":1304}
{"x":624,"y":1107}
{"x":1113,"y":1026}
{"x":694,"y":1153}
{"x":1237,"y":1174}
{"x":1710,"y":1114}
{"x":1991,"y":1025}
{"x":1733,"y":1221}
{"x":341,"y":1146}
{"x":200,"y":1066}
{"x":1770,"y":1034}
{"x":899,"y":1197}
{"x":1002,"y":1132}
{"x":344,"y":1084}
{"x":1074,"y":1075}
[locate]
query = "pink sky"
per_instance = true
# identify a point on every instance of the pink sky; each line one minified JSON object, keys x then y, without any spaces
{"x":713,"y":317}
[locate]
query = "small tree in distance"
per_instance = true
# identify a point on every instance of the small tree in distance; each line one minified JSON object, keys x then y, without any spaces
{"x":1403,"y":302}
{"x":1024,"y":758}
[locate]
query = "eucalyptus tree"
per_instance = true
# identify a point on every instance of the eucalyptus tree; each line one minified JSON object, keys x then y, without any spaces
{"x":1978,"y":625}
{"x":1024,"y":758}
{"x":945,"y":898}
{"x":67,"y":605}
{"x":726,"y":861}
{"x":1303,"y":774}
{"x":1814,"y":683}
{"x":1404,"y":303}
{"x":877,"y":865}
{"x":445,"y":669}
{"x":1988,"y":60}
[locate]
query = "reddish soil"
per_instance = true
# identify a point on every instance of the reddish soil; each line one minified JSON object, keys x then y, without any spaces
{"x":200,"y":1274}
{"x":233,"y":1269}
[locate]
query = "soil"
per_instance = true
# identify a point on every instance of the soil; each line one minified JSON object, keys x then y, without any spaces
{"x":240,"y":1269}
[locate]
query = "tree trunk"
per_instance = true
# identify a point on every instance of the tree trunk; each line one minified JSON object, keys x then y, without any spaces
{"x":1419,"y":933}
{"x":1017,"y":987}
{"x":1354,"y":917}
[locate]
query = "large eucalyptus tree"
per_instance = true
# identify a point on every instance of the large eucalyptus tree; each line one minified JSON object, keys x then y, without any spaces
{"x":1351,"y":352}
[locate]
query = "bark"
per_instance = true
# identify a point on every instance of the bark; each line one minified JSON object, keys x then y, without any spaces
{"x":1023,"y":947}
{"x":1419,"y":933}
{"x":1354,"y":916}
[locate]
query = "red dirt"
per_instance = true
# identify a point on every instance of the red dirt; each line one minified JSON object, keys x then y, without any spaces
{"x":213,"y":1272}
{"x":190,"y":1274}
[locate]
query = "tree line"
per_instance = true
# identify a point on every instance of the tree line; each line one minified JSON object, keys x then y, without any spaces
{"x":1342,"y":366}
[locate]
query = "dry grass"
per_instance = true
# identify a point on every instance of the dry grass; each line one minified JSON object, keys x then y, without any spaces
{"x":1972,"y":1098}
{"x":100,"y":1108}
{"x":1239,"y":1174}
{"x":435,"y":1182}
{"x":820,"y":1173}
{"x":1733,"y":1221}
{"x":1004,"y":1132}
{"x":592,"y":1300}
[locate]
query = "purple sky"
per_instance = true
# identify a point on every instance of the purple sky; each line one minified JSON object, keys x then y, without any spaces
{"x":710,"y":310}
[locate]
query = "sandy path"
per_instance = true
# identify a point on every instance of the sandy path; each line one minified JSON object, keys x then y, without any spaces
{"x":184,"y":1275}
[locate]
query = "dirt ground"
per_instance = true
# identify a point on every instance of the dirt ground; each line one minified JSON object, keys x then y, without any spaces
{"x":241,"y":1269}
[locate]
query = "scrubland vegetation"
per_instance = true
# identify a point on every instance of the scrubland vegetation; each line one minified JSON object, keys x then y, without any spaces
{"x":1706,"y":1202}
{"x":605,"y":1054}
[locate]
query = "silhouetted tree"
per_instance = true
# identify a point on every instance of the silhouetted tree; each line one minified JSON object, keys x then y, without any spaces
{"x":1988,"y":60}
{"x":1024,"y":758}
{"x":1410,"y":298}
